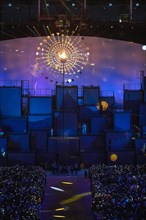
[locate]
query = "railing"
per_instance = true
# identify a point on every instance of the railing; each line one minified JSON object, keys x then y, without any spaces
{"x":10,"y":83}
{"x":26,"y":91}
{"x":40,"y":92}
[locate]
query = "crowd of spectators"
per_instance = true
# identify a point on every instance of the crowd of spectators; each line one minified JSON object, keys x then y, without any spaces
{"x":119,"y":191}
{"x":57,"y":168}
{"x":21,"y":192}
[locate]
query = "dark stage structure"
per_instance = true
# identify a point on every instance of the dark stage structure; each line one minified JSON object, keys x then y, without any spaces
{"x":69,"y":128}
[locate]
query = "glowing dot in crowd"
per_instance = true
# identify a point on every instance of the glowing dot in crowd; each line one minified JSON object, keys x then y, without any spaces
{"x":82,"y":165}
{"x":53,"y":49}
{"x":75,"y":198}
{"x":113,"y":157}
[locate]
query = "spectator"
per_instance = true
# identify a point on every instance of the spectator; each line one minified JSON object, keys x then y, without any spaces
{"x":22,"y":192}
{"x":119,"y":192}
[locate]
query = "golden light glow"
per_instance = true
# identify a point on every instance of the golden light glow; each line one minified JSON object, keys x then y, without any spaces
{"x":75,"y":198}
{"x":63,"y":56}
{"x":59,"y":209}
{"x":67,"y":183}
{"x":58,"y":216}
{"x":60,"y":53}
{"x":103,"y":105}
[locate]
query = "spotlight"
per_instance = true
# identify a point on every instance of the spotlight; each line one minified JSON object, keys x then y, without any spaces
{"x":56,"y":188}
{"x":144,"y":47}
{"x":67,"y":183}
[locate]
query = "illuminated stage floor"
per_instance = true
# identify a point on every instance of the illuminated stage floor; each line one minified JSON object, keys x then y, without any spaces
{"x":67,"y":197}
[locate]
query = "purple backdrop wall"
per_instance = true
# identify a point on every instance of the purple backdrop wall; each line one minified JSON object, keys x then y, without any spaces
{"x":115,"y":63}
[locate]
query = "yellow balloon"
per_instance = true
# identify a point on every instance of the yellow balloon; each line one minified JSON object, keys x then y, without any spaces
{"x":113,"y":157}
